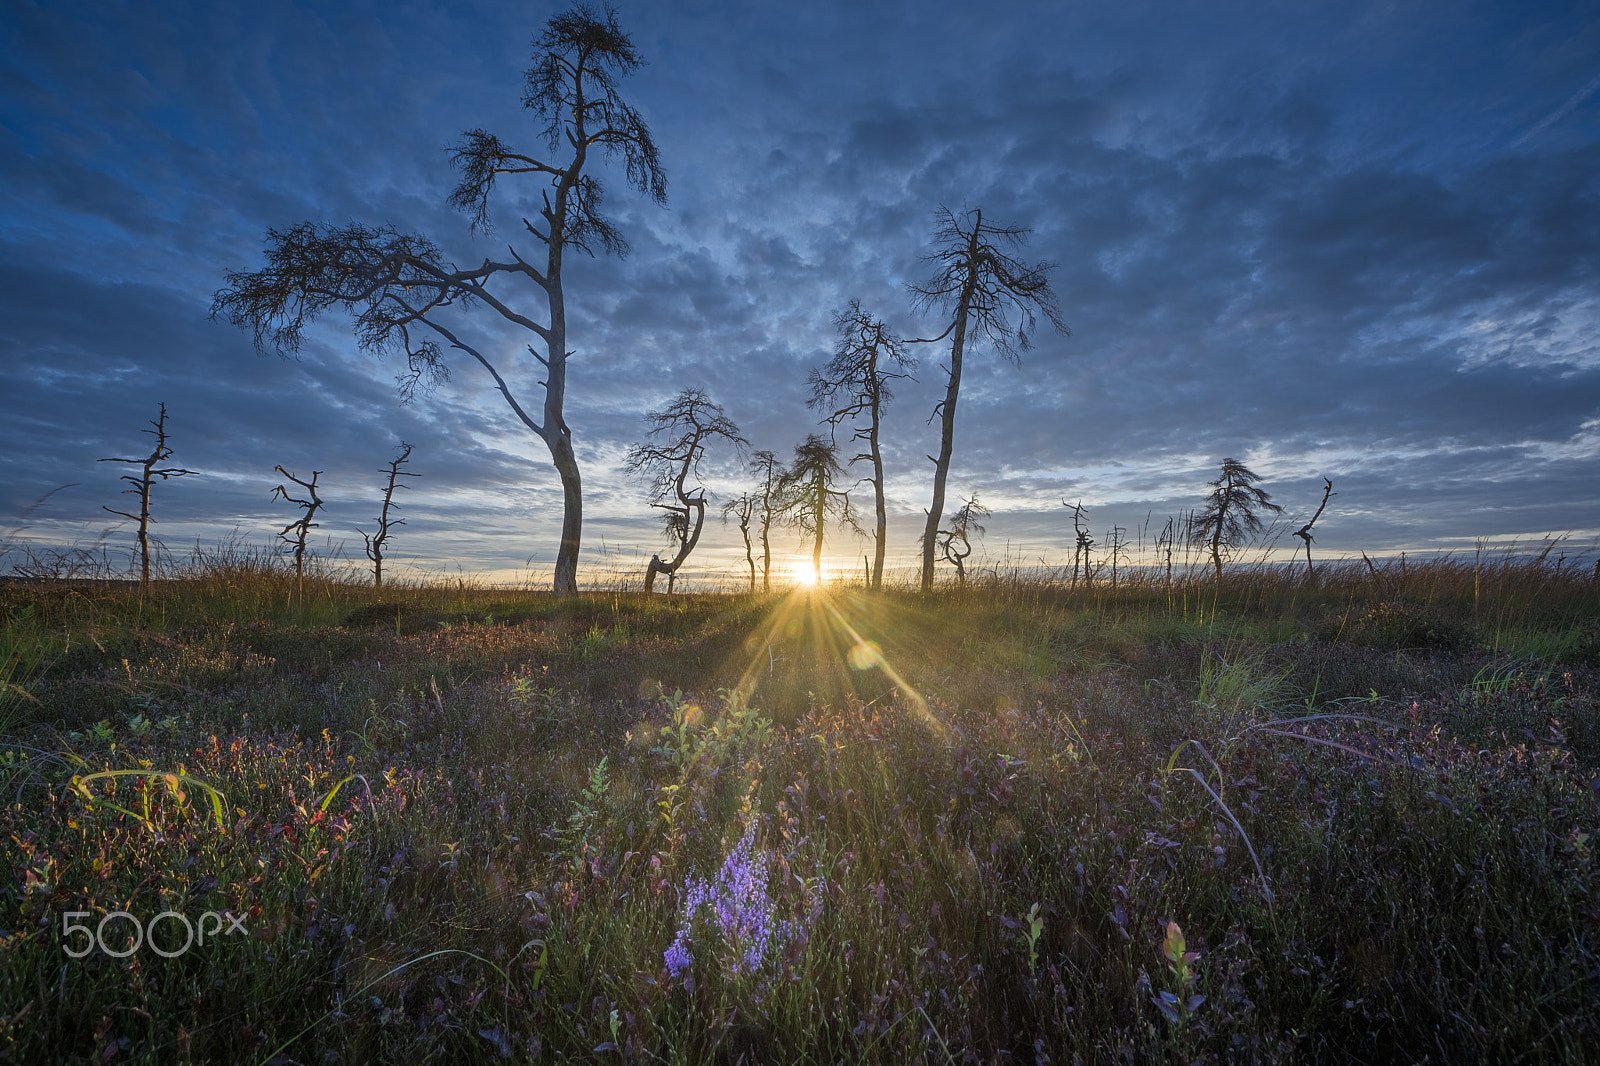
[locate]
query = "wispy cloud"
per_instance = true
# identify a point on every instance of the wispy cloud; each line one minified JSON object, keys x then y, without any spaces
{"x":1559,"y":113}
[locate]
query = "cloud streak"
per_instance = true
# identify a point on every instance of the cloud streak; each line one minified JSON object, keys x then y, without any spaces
{"x":1559,"y":113}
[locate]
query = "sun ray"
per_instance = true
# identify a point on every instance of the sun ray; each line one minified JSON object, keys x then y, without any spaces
{"x":818,"y":620}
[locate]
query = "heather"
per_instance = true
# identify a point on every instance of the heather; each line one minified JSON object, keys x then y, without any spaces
{"x":1023,"y":821}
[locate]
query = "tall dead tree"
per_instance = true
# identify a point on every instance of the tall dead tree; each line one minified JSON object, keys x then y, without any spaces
{"x":855,"y":384}
{"x":689,"y":424}
{"x":769,"y":475}
{"x":1229,"y":519}
{"x":963,"y":523}
{"x":1304,"y":532}
{"x":376,"y":541}
{"x":984,"y":288}
{"x":149,"y":470}
{"x":743,"y":507}
{"x":302,"y":526}
{"x":806,"y":495}
{"x":405,"y":295}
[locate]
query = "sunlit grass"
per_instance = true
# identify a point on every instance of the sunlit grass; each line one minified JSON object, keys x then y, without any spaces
{"x":465,"y":824}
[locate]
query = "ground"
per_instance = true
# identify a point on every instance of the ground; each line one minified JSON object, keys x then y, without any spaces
{"x":1271,"y":821}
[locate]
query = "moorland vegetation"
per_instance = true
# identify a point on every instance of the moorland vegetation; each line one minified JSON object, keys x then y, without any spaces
{"x":1190,"y":821}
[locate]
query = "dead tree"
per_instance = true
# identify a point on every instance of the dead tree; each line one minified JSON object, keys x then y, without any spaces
{"x":743,"y":507}
{"x":806,"y":495}
{"x":1229,"y":519}
{"x":984,"y":287}
{"x":149,"y":470}
{"x":690,"y":423}
{"x":1083,"y":545}
{"x":303,"y":525}
{"x":1164,"y":545}
{"x":963,"y":523}
{"x":405,"y":295}
{"x":854,"y":384}
{"x":675,"y":528}
{"x":376,"y":541}
{"x":1304,"y":532}
{"x":770,"y":473}
{"x":1117,"y":549}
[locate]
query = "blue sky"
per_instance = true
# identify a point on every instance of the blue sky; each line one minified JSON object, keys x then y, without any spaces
{"x":1356,"y":241}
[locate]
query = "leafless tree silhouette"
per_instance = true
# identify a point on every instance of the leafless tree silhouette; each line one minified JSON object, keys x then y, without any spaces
{"x":1116,"y":550}
{"x":689,"y":424}
{"x":401,"y":290}
{"x":769,"y":474}
{"x":1304,"y":532}
{"x":1229,"y":519}
{"x":963,"y":524}
{"x":142,"y":483}
{"x":806,"y":495}
{"x":1083,"y":547}
{"x":856,"y":383}
{"x":1165,"y":543}
{"x":375,"y":543}
{"x":295,"y":532}
{"x":743,"y":507}
{"x":985,"y":288}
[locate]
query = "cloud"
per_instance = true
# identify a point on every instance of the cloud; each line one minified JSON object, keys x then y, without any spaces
{"x":1280,"y":237}
{"x":1559,"y":113}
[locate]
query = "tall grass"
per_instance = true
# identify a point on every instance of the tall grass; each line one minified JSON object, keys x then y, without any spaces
{"x":1027,"y":822}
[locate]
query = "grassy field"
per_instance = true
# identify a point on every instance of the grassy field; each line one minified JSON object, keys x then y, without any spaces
{"x":1016,"y":823}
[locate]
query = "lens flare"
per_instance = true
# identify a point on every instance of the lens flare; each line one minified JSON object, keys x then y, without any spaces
{"x":866,"y":655}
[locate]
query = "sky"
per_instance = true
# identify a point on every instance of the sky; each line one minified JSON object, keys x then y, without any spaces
{"x":1355,"y":241}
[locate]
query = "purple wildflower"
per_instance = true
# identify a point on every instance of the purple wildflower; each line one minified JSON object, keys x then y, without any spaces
{"x":677,"y":955}
{"x":742,"y":908}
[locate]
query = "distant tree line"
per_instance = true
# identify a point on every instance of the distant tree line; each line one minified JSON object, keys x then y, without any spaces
{"x":294,"y":534}
{"x":804,"y":494}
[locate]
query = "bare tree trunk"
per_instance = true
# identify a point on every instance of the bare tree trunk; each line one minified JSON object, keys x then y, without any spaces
{"x":1216,"y":543}
{"x":1304,"y":532}
{"x":947,"y":435}
{"x":566,"y":463}
{"x":144,"y":535}
{"x":766,"y":554}
{"x":691,"y":537}
{"x":302,"y":525}
{"x":375,"y":543}
{"x":816,"y":549}
{"x":556,"y":433}
{"x":875,"y":580}
{"x":766,"y":530}
{"x":749,"y":556}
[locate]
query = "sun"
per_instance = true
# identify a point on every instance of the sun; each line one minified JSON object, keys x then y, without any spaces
{"x":803,"y":574}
